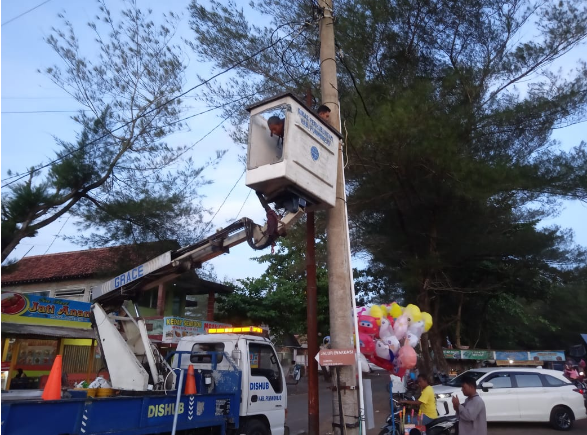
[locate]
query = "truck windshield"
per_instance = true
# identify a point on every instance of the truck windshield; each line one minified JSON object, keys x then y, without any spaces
{"x":264,"y":363}
{"x":458,"y":381}
{"x":200,"y":355}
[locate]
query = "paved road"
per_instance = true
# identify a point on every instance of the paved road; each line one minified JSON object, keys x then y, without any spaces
{"x":297,"y":419}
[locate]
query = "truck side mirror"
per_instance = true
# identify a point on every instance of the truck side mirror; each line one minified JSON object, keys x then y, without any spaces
{"x":485,"y":386}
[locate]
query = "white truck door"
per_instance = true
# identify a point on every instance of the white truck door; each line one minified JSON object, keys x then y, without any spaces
{"x":266,"y":392}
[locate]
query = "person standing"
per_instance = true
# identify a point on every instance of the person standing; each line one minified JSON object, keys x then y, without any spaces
{"x":472,"y":416}
{"x":426,"y":401}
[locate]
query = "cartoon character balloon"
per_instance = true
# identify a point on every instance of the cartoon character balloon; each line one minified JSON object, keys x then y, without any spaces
{"x":389,"y":333}
{"x":368,"y":325}
{"x":366,"y":344}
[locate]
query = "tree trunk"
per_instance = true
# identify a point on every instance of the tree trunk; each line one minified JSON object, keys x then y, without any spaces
{"x":436,"y":340}
{"x":7,"y":250}
{"x":458,"y":323}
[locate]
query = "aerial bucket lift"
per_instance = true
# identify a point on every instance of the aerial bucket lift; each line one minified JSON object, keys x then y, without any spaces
{"x":293,"y":168}
{"x":295,"y":165}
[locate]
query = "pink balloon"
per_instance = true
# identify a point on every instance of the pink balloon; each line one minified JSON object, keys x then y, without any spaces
{"x":407,"y":357}
{"x":366,"y":344}
{"x":368,"y":325}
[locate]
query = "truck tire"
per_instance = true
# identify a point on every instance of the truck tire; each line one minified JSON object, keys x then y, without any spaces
{"x":255,"y":427}
{"x":561,"y":418}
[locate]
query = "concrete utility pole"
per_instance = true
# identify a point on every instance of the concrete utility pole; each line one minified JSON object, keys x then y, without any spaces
{"x":344,"y":399}
{"x":312,"y":315}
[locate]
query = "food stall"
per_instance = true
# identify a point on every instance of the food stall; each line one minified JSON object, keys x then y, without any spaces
{"x":35,"y":329}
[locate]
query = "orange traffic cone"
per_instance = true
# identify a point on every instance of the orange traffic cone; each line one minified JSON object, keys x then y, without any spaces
{"x":190,"y":382}
{"x":52,"y":390}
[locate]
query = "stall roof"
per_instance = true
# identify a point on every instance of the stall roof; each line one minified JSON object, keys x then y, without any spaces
{"x":44,"y":332}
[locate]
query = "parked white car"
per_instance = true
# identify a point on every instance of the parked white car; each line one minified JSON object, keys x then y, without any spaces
{"x":520,"y":394}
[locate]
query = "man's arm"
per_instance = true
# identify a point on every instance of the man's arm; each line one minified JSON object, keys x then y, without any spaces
{"x":411,"y":402}
{"x":470,"y":412}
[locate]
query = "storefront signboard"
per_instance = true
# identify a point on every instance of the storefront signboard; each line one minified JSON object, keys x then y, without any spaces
{"x":504,"y":355}
{"x":174,"y":328}
{"x":451,"y":353}
{"x":477,"y":354}
{"x":33,"y":309}
{"x":548,"y":355}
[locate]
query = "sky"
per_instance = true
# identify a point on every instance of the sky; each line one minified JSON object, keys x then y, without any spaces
{"x":28,"y":138}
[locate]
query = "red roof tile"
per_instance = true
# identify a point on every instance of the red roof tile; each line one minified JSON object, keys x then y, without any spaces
{"x":91,"y":263}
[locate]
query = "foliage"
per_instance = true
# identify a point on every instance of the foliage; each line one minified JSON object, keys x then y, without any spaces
{"x":120,"y":179}
{"x":449,"y":110}
{"x":278,"y":297}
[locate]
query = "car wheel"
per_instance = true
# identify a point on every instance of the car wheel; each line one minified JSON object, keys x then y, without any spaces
{"x":561,"y":418}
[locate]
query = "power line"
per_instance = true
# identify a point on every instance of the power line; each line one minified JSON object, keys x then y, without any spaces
{"x":24,"y":13}
{"x":42,"y":111}
{"x":221,"y":205}
{"x":20,"y":177}
{"x":244,"y":202}
{"x":57,"y":235}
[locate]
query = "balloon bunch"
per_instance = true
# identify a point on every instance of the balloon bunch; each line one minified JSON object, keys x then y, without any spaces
{"x":388,"y":334}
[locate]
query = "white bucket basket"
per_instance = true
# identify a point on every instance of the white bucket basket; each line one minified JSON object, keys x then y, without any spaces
{"x":301,"y":164}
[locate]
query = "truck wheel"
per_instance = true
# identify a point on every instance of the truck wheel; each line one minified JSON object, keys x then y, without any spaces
{"x":255,"y":427}
{"x":561,"y":418}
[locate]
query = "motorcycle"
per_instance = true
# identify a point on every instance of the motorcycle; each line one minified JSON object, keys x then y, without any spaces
{"x":446,"y":425}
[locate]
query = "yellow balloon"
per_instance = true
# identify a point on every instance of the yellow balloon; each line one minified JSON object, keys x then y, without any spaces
{"x":383,"y":310}
{"x":395,"y":311}
{"x":413,"y":312}
{"x":427,"y":318}
{"x":377,"y":313}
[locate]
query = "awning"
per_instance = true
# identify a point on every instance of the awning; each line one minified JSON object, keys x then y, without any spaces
{"x":44,"y":332}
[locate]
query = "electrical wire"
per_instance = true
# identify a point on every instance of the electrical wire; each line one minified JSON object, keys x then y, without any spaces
{"x":142,"y":115}
{"x":221,"y":205}
{"x":57,"y":235}
{"x":177,"y":121}
{"x":244,"y":202}
{"x":24,"y":13}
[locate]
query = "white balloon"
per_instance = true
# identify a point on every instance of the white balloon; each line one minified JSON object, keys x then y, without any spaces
{"x":417,"y":328}
{"x":392,"y":342}
{"x":382,"y":350}
{"x":401,"y":326}
{"x":412,"y":339}
{"x":385,"y":329}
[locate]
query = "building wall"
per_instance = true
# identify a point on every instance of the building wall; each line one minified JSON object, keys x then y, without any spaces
{"x":55,"y":287}
{"x":174,"y":302}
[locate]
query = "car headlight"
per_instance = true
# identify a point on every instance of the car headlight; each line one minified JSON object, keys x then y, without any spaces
{"x":443,"y":395}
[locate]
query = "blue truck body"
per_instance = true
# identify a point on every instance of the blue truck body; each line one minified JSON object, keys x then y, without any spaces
{"x":147,"y":413}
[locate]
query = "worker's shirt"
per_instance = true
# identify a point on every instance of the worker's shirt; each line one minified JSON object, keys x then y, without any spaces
{"x":428,"y":406}
{"x":472,"y":417}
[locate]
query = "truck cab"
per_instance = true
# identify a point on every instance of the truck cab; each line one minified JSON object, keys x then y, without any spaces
{"x":263,"y":401}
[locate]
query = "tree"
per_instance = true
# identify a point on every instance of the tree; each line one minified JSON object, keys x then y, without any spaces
{"x":121,"y":178}
{"x":449,"y":112}
{"x":281,"y":289}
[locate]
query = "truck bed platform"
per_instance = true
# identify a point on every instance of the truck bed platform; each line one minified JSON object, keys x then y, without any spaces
{"x":138,"y":415}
